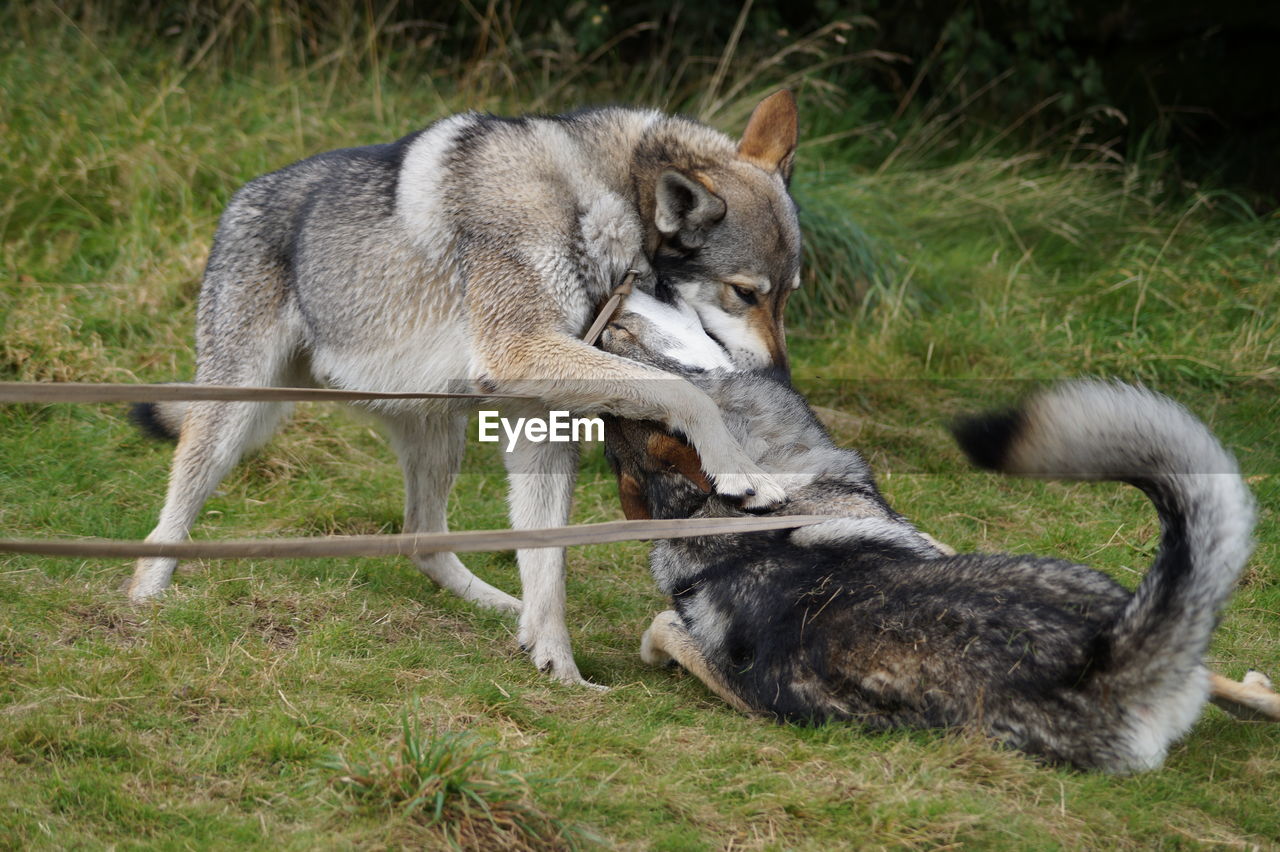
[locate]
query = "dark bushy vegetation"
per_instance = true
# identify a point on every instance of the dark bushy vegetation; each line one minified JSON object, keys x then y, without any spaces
{"x":1193,"y":77}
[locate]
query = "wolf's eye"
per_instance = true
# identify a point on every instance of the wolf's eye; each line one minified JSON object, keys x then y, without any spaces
{"x":746,"y":294}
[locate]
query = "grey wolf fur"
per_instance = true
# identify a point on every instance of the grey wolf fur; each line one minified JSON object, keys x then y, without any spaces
{"x":866,"y":619}
{"x":473,"y":254}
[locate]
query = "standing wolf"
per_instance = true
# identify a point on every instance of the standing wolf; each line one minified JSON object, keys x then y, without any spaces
{"x":474,"y":254}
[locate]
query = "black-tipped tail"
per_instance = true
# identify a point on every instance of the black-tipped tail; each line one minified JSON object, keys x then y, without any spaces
{"x":149,"y":418}
{"x":1087,"y":430}
{"x":986,"y":438}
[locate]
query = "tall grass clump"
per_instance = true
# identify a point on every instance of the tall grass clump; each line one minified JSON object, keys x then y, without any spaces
{"x":451,"y":784}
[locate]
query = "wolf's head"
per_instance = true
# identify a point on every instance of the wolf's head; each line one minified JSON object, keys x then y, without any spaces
{"x":724,"y":231}
{"x":659,"y":474}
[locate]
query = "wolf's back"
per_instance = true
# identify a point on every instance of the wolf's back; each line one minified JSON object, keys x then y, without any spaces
{"x":1092,"y":430}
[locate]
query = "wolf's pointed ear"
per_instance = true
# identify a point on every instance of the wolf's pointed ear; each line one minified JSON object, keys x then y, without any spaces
{"x":685,"y":208}
{"x":634,"y":505}
{"x":771,"y":135}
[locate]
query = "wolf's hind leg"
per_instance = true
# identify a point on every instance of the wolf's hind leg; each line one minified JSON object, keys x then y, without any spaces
{"x":666,"y":640}
{"x":214,"y":437}
{"x":1250,"y":698}
{"x":430,"y":449}
{"x":247,"y":333}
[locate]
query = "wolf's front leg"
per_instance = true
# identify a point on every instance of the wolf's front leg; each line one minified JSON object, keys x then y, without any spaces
{"x":541,"y":477}
{"x":668,"y":641}
{"x":567,"y":374}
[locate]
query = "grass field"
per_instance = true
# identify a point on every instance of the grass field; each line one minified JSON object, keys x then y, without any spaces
{"x":340,"y":703}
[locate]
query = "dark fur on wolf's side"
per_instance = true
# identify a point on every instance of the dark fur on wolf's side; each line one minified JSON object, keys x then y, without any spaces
{"x":864,"y":619}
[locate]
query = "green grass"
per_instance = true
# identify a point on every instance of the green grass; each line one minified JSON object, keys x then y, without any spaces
{"x":449,"y":785}
{"x":232,"y":711}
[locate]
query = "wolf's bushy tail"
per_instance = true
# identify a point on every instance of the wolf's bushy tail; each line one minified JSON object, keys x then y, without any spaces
{"x":1112,"y":431}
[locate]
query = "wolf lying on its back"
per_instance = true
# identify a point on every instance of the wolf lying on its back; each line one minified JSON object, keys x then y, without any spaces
{"x":864,"y":618}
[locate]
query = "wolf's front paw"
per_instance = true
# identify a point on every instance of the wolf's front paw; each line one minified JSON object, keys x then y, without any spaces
{"x":619,"y":339}
{"x":651,"y":654}
{"x":555,"y":659}
{"x":666,"y":626}
{"x":755,"y":490}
